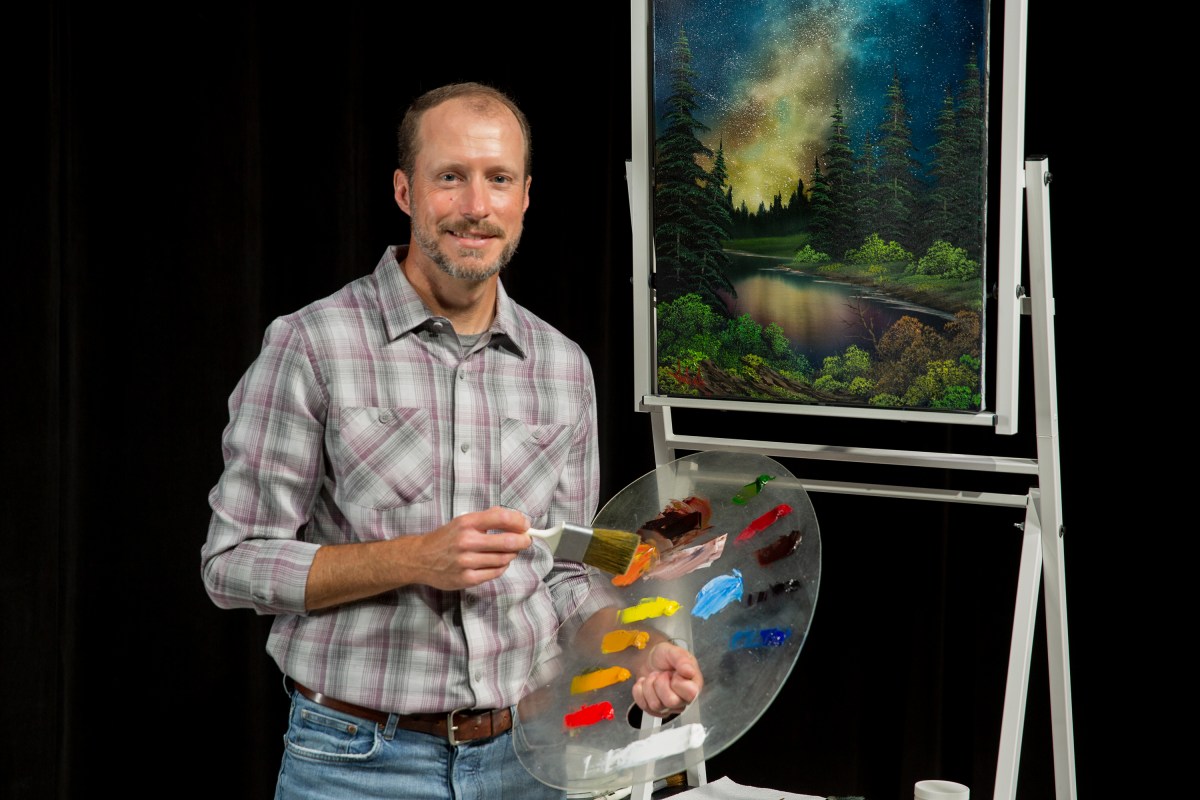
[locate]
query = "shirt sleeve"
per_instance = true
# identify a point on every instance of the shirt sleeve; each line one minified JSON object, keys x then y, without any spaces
{"x":273,"y":455}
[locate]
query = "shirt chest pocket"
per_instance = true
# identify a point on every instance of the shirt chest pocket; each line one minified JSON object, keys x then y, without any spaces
{"x":383,"y":457}
{"x":532,"y":463}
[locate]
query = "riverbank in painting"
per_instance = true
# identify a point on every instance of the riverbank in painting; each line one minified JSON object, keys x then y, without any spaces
{"x":940,"y":294}
{"x":862,"y":331}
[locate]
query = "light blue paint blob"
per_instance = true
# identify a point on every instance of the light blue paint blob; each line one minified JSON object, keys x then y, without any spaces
{"x":718,"y":593}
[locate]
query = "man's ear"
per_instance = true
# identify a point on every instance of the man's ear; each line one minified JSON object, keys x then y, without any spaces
{"x":528,"y":182}
{"x":403,"y":192}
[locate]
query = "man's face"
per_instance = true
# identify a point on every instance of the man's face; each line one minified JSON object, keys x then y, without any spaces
{"x":468,"y":192}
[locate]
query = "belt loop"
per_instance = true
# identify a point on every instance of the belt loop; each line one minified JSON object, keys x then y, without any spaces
{"x":389,"y":730}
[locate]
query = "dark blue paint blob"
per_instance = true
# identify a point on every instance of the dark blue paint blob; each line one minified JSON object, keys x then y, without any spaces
{"x":766,"y":637}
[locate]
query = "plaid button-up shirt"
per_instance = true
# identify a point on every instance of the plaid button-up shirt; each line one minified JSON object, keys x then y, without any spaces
{"x":363,"y":419}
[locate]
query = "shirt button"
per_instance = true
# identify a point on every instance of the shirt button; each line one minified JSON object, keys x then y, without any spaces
{"x":385,"y":416}
{"x":464,"y":447}
{"x":437,"y":326}
{"x":478,"y":677}
{"x":462,"y":376}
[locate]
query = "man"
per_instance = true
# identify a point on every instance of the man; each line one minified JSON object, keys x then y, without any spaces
{"x":385,"y":454}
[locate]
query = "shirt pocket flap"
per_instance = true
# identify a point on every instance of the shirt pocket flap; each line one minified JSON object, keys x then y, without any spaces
{"x":383,"y":457}
{"x":532,"y":461}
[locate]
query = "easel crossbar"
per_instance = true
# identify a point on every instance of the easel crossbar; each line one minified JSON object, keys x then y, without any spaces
{"x":865,"y":455}
{"x":912,"y":493}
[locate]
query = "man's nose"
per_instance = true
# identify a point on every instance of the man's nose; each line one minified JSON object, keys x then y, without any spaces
{"x":476,"y":202}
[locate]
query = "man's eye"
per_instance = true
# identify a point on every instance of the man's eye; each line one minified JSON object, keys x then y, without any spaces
{"x":448,"y":178}
{"x":502,"y":179}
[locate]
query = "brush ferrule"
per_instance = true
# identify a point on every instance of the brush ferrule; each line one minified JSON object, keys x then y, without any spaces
{"x":573,"y":544}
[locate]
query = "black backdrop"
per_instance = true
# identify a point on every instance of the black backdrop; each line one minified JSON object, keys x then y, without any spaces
{"x":179,"y":178}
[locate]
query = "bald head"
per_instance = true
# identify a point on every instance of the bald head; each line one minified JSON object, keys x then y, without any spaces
{"x":480,"y":98}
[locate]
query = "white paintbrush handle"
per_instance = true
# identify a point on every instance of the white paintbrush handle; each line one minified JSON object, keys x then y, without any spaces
{"x":551,"y":536}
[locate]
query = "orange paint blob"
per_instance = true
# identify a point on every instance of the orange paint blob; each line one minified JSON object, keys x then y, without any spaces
{"x":645,"y":558}
{"x":616,"y":641}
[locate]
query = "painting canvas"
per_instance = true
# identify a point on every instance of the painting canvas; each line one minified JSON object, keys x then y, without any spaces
{"x":818,"y":201}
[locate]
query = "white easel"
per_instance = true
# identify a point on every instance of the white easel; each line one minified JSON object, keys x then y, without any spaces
{"x":1042,"y":555}
{"x":1042,"y":545}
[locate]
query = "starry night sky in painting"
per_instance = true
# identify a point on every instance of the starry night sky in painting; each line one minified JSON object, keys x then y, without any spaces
{"x":768,"y":73}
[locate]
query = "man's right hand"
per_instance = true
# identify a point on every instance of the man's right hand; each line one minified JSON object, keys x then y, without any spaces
{"x":458,"y":555}
{"x":462,"y":553}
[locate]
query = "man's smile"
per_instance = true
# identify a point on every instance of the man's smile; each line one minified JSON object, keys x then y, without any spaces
{"x":476,"y":235}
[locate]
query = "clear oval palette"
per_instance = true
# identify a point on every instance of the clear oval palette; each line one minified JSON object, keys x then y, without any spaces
{"x":729,"y":567}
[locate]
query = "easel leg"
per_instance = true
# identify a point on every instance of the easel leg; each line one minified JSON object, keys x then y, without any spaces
{"x":1020,"y":655}
{"x":1048,"y":499}
{"x":1060,"y":666}
{"x":645,"y":788}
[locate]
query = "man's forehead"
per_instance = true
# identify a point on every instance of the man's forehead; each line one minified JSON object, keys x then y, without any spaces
{"x":483,"y":108}
{"x":446,"y":120}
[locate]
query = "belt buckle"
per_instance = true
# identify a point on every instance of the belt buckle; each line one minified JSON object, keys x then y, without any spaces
{"x":451,"y":727}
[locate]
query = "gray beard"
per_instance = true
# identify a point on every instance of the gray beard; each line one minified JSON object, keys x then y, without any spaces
{"x":463,"y":272}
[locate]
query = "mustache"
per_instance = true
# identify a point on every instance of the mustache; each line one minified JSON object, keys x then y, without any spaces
{"x":467,"y":228}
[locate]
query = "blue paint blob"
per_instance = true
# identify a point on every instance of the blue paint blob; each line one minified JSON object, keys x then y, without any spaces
{"x":750,"y":638}
{"x":773,"y":637}
{"x":718,"y":593}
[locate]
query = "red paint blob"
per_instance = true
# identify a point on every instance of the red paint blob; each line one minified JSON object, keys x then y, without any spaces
{"x":765,"y":521}
{"x":589,"y":715}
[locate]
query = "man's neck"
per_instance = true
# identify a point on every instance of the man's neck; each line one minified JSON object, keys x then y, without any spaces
{"x":469,"y":305}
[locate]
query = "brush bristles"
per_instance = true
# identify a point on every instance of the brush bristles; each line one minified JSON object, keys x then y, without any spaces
{"x":611,"y":551}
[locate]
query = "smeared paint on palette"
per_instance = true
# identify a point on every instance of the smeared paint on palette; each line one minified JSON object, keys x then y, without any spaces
{"x":680,"y":522}
{"x":595,"y":679}
{"x":765,"y":521}
{"x":678,"y":563}
{"x":589,"y":715}
{"x":718,"y":593}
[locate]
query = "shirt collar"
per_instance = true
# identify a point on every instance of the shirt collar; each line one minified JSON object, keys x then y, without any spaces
{"x":404,"y":311}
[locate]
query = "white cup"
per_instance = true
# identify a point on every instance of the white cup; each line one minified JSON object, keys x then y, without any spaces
{"x":940,"y":790}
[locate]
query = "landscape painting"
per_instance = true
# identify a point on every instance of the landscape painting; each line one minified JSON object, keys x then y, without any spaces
{"x":819,"y":185}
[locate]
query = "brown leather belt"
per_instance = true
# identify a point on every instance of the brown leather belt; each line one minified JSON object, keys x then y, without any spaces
{"x":456,"y":727}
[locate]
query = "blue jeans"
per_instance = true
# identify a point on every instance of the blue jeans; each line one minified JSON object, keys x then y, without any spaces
{"x":329,"y":754}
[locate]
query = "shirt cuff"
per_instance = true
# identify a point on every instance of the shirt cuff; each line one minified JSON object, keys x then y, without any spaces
{"x":280,"y":575}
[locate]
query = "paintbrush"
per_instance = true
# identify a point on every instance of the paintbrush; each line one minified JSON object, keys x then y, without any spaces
{"x":605,"y":549}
